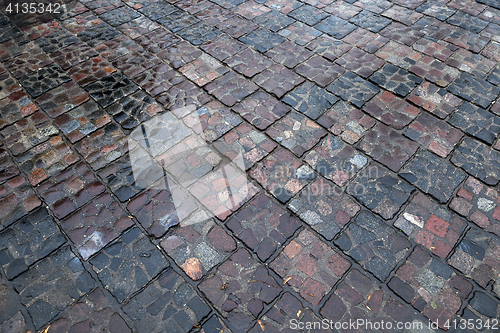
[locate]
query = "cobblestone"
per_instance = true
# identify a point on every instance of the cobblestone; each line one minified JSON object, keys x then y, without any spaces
{"x":335,"y":160}
{"x":29,"y":240}
{"x":353,"y":89}
{"x":375,"y":245}
{"x":324,"y":207}
{"x":395,"y":79}
{"x":94,"y":311}
{"x":391,"y":110}
{"x":433,"y":175}
{"x":476,"y":257}
{"x":249,"y":289}
{"x":133,"y":259}
{"x":369,"y":21}
{"x":231,"y":88}
{"x":476,"y":122}
{"x":478,"y":160}
{"x":244,"y":140}
{"x":434,"y":134}
{"x":310,"y":100}
{"x":434,"y":99}
{"x":430,"y":286}
{"x":328,"y":47}
{"x":379,"y":190}
{"x":278,"y":80}
{"x":360,"y":62}
{"x":431,"y":225}
{"x":479,"y":204}
{"x":276,"y":228}
{"x":282,"y":174}
{"x":296,"y":132}
{"x":198,"y":247}
{"x":341,"y":163}
{"x":388,"y":147}
{"x":249,"y":62}
{"x":335,"y":27}
{"x":345,"y":120}
{"x":289,"y":54}
{"x":261,"y":109}
{"x":313,"y":266}
{"x":167,"y":304}
{"x":44,"y":303}
{"x":62,"y":99}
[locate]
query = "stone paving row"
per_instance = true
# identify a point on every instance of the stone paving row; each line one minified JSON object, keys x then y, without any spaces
{"x":242,"y":165}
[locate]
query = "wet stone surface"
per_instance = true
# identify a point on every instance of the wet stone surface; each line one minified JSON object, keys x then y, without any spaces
{"x":282,"y":174}
{"x":261,"y":109}
{"x":278,"y":80}
{"x":314,"y":267}
{"x":479,"y":204}
{"x":375,"y":245}
{"x":335,"y":160}
{"x":231,"y":88}
{"x":391,"y":110}
{"x":396,"y":80}
{"x":94,"y":311}
{"x":249,"y":62}
{"x":385,"y":196}
{"x":310,"y":100}
{"x":72,"y":283}
{"x":478,"y":159}
{"x":370,"y":21}
{"x":431,"y":225}
{"x":360,"y":62}
{"x":296,"y":132}
{"x":132,"y":258}
{"x":16,"y":200}
{"x":43,"y":80}
{"x":388,"y":147}
{"x":324,"y":207}
{"x":335,"y":27}
{"x":476,"y":122}
{"x":319,"y":70}
{"x":277,"y":226}
{"x":345,"y":120}
{"x":434,"y":176}
{"x":289,"y":54}
{"x":62,"y":99}
{"x":249,"y":288}
{"x":434,"y":134}
{"x":328,"y":47}
{"x":28,"y":62}
{"x":434,"y":99}
{"x":198,"y":247}
{"x":476,"y":256}
{"x":471,"y":63}
{"x":360,"y":297}
{"x":353,"y":89}
{"x":46,"y":159}
{"x":95,"y":225}
{"x":244,"y":140}
{"x":27,"y":241}
{"x":300,"y":33}
{"x":168,"y":303}
{"x":430,"y":286}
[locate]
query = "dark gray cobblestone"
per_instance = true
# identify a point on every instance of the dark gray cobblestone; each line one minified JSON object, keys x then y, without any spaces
{"x":365,"y":134}
{"x":127,"y":265}
{"x":375,"y":245}
{"x":64,"y":280}
{"x":433,"y":175}
{"x":479,"y":160}
{"x":380,"y":191}
{"x":167,"y":304}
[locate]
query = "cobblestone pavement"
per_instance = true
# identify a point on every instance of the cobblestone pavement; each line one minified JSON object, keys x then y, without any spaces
{"x":216,"y":166}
